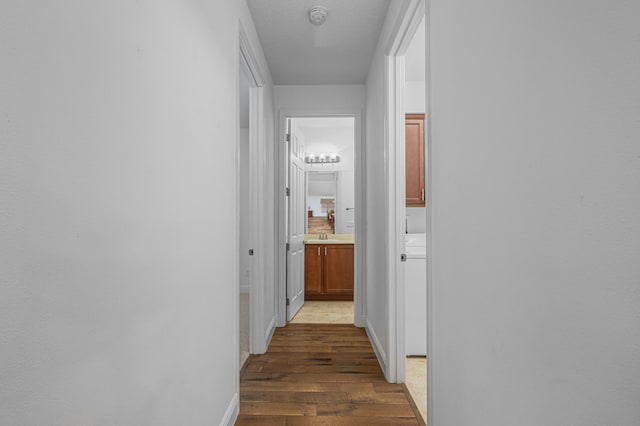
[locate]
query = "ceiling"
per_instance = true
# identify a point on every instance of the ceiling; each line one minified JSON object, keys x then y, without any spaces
{"x":338,"y":52}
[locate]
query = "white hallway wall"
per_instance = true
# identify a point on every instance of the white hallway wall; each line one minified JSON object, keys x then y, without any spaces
{"x":535,"y":195}
{"x":115,"y":268}
{"x":414,"y":101}
{"x":377,"y":214}
{"x":320,"y":97}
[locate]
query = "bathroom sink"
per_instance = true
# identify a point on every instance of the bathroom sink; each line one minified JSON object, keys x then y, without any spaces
{"x":327,"y":241}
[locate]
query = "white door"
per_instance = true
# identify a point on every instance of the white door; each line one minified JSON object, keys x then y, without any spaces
{"x":296,"y":219}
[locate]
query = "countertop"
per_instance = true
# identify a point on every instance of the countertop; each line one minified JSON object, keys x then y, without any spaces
{"x":331,"y":239}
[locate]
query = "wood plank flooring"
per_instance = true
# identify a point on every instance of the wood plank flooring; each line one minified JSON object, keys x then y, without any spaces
{"x":320,"y":374}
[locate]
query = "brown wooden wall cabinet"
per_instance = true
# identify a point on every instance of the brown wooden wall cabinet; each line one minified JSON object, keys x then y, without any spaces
{"x":414,"y":159}
{"x":328,"y":272}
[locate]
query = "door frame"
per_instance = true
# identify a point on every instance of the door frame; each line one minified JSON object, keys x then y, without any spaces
{"x":413,"y":11}
{"x":257,"y":186}
{"x":359,"y":290}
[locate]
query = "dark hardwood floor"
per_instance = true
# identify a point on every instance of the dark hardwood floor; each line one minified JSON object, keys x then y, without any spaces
{"x":317,"y":374}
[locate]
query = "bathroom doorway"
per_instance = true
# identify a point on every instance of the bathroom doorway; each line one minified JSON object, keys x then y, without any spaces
{"x":328,"y":274}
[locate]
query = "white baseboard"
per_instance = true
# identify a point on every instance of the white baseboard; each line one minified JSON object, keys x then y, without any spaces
{"x":271,"y":328}
{"x":232,"y":412}
{"x":377,"y":347}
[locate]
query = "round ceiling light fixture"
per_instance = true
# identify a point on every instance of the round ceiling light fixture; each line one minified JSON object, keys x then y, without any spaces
{"x":318,"y":15}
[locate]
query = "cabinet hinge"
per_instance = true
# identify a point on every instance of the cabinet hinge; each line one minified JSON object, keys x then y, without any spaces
{"x":287,"y":246}
{"x":287,"y":192}
{"x":287,"y":301}
{"x":403,"y":257}
{"x":287,"y":137}
{"x":250,"y":252}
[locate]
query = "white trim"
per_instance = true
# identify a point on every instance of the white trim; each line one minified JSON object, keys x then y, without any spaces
{"x":360,"y":288}
{"x":405,"y":27}
{"x":394,"y":144}
{"x":429,"y":218}
{"x":377,"y":347}
{"x":281,"y":163}
{"x":258,"y":185}
{"x":231,"y":414}
{"x":249,"y":57}
{"x":271,"y":328}
{"x":394,"y":81}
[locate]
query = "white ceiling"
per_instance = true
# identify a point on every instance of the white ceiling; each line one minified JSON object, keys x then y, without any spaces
{"x":337,"y":52}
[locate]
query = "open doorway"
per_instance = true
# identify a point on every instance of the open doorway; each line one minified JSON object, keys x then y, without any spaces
{"x":327,"y":194}
{"x":415,"y":267}
{"x":252,"y":191}
{"x":244,"y":208}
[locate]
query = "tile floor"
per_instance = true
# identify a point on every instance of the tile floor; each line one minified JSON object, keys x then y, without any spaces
{"x":417,"y":383}
{"x":325,"y":312}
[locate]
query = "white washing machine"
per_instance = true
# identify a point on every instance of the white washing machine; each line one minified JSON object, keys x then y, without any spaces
{"x":416,"y":294}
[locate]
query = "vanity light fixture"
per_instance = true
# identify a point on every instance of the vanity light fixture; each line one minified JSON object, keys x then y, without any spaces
{"x":322,"y":159}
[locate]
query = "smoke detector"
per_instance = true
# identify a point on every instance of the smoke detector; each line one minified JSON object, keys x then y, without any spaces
{"x":318,"y":15}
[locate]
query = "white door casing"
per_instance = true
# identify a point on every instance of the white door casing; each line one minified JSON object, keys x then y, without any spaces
{"x":281,"y":223}
{"x":408,"y":20}
{"x":261,"y":326}
{"x":296,"y":223}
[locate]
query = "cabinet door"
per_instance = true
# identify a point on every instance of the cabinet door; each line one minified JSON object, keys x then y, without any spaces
{"x":414,"y":160}
{"x":338,"y":269}
{"x":313,"y":269}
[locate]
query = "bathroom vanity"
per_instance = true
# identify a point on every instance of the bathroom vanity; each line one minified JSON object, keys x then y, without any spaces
{"x":328,"y":268}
